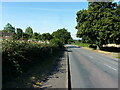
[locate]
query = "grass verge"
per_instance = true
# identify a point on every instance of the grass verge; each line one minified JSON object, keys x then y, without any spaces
{"x":81,"y":44}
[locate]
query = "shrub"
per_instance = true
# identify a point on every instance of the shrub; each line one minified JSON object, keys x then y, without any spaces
{"x":56,"y":42}
{"x":19,"y":56}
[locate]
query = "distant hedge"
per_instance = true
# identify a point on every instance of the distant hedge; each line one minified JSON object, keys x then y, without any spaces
{"x":18,"y":56}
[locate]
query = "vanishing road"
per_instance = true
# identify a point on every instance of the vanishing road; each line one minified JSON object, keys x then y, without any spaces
{"x":89,"y":69}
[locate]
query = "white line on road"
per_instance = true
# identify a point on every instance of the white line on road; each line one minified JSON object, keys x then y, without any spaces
{"x":110,"y":67}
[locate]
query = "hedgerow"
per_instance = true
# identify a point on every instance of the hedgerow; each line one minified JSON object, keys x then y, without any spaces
{"x":19,"y":56}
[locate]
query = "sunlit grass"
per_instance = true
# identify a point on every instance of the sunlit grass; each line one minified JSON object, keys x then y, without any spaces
{"x":81,"y":44}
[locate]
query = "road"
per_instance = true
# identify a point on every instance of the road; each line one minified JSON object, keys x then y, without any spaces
{"x":89,"y":69}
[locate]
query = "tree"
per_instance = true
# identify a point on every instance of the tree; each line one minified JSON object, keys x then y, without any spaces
{"x":39,"y":37}
{"x":62,"y":34}
{"x":35,"y":35}
{"x":70,"y":41}
{"x":98,"y":25}
{"x":29,"y":31}
{"x":19,"y":33}
{"x":56,"y":42}
{"x":26,"y":36}
{"x":46,"y":36}
{"x":9,"y":28}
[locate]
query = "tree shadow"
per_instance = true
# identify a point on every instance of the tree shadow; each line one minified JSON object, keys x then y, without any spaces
{"x":111,"y":49}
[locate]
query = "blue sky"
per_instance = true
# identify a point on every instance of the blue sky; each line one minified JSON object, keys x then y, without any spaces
{"x":43,"y":17}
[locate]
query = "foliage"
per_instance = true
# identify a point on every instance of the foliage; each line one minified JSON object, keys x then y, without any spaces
{"x":29,"y":31}
{"x":46,"y":36}
{"x":56,"y":42}
{"x":81,"y":44}
{"x":99,"y":24}
{"x":19,"y":33}
{"x":26,"y":36}
{"x":9,"y":28}
{"x":18,"y":56}
{"x":36,"y":35}
{"x":62,"y":34}
{"x":70,"y":40}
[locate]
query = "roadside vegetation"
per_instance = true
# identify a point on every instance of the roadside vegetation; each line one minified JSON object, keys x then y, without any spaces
{"x":99,"y":24}
{"x":19,"y":56}
{"x":23,"y":51}
{"x":81,"y":44}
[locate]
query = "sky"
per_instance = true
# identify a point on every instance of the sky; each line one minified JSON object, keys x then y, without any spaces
{"x":42,"y":17}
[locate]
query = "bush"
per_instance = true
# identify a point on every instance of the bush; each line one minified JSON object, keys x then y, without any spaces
{"x":19,"y":56}
{"x":56,"y":42}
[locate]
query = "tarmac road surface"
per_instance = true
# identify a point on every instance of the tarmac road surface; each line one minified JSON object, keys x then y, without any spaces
{"x":92,"y":70}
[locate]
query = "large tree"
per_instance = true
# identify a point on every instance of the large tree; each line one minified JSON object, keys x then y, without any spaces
{"x":62,"y":34}
{"x":99,"y":24}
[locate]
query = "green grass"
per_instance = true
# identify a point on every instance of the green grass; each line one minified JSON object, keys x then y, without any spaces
{"x":81,"y":44}
{"x":118,"y":57}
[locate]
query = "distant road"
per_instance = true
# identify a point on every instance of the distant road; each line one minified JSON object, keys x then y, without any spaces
{"x":92,"y":70}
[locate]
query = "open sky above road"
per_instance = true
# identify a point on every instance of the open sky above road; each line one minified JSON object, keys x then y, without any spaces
{"x":43,"y":17}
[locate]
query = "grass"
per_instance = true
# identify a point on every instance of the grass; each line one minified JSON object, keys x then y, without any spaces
{"x":118,"y":57}
{"x":81,"y":44}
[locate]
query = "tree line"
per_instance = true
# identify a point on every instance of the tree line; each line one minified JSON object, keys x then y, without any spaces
{"x":99,"y":24}
{"x":61,"y":35}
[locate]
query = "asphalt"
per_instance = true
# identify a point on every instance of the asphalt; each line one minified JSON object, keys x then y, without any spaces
{"x":92,"y":70}
{"x":59,"y":78}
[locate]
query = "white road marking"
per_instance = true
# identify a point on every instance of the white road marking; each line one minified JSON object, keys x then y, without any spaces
{"x":110,"y":67}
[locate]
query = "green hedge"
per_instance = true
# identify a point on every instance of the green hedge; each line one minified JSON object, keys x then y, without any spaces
{"x":19,"y":56}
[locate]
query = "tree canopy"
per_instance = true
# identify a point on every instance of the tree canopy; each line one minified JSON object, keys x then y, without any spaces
{"x":19,"y":33}
{"x":62,"y":34}
{"x":99,"y":24}
{"x":46,"y":36}
{"x":9,"y":28}
{"x":29,"y":31}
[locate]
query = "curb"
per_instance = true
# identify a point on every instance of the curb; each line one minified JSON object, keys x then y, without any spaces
{"x":66,"y":69}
